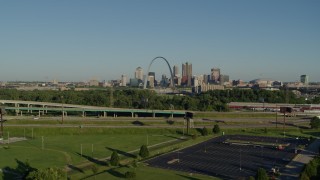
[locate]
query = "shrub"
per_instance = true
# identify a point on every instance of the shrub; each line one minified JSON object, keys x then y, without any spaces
{"x":130,"y":175}
{"x":144,"y":152}
{"x":262,"y":174}
{"x":114,"y":161}
{"x":315,"y":123}
{"x":204,"y":131}
{"x":216,"y":129}
{"x":170,"y":122}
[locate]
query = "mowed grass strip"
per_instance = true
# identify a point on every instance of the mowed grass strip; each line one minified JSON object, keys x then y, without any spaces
{"x":234,"y":115}
{"x":62,"y":147}
{"x":142,"y":173}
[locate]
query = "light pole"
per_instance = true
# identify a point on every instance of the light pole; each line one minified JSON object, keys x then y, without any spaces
{"x":2,"y":112}
{"x":240,"y":159}
{"x":276,"y":116}
{"x":62,"y":117}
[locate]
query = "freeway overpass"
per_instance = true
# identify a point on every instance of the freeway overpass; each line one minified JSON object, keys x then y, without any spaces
{"x":43,"y":108}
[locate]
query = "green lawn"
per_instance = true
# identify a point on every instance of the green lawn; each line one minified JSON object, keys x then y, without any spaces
{"x":60,"y":150}
{"x":142,"y":173}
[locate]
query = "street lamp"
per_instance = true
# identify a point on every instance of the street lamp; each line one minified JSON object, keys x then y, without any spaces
{"x":62,"y":117}
{"x":2,"y":112}
{"x":240,"y":159}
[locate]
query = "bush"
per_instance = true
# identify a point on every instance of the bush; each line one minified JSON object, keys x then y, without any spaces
{"x":114,"y":161}
{"x":48,"y":174}
{"x":262,"y":174}
{"x":130,"y":174}
{"x":216,"y":129}
{"x":204,"y":131}
{"x":304,"y":176}
{"x":144,"y":152}
{"x":194,"y":136}
{"x":138,"y":123}
{"x":315,"y":123}
{"x":170,"y":122}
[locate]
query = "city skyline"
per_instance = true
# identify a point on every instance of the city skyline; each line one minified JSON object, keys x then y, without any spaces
{"x":81,"y":40}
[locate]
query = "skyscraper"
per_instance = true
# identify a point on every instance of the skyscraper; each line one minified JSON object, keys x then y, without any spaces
{"x":123,"y":80}
{"x":186,"y":73}
{"x":151,"y":79}
{"x":138,"y":74}
{"x":304,"y":79}
{"x":215,"y":74}
{"x":175,"y":71}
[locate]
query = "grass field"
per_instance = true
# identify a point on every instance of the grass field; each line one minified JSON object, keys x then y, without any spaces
{"x":143,"y":173}
{"x":62,"y":146}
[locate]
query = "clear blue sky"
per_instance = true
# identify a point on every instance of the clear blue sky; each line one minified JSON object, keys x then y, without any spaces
{"x":76,"y":40}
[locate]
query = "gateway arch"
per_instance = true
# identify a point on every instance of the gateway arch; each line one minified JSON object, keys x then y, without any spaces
{"x":146,"y":79}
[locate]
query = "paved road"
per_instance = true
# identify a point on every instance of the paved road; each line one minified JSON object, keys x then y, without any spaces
{"x":295,"y":167}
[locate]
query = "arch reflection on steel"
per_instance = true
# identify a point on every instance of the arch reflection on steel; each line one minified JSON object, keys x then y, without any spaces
{"x":146,"y":79}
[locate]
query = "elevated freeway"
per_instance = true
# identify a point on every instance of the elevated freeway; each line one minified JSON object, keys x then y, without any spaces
{"x":42,"y":108}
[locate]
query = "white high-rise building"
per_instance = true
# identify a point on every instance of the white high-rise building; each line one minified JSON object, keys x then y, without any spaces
{"x":138,"y":74}
{"x":175,"y":71}
{"x":124,"y":80}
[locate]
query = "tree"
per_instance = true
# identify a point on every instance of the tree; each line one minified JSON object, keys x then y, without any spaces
{"x":52,"y":173}
{"x":204,"y":131}
{"x":304,"y":176}
{"x":262,"y":174}
{"x":251,"y":178}
{"x":114,"y":161}
{"x":130,"y":175}
{"x":144,"y":152}
{"x":216,"y":129}
{"x":315,"y":123}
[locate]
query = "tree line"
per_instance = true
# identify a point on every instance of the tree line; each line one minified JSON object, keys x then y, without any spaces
{"x":140,"y":99}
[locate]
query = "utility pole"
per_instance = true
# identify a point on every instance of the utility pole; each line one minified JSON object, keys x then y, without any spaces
{"x":2,"y":112}
{"x":62,"y":117}
{"x":111,"y":97}
{"x":276,"y":116}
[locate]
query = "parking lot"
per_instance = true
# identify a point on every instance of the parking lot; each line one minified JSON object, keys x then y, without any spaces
{"x":229,"y":157}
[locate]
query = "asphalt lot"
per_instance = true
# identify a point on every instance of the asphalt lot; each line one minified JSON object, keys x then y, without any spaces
{"x":230,"y":161}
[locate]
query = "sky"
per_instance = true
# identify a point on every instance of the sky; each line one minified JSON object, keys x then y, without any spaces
{"x":79,"y":40}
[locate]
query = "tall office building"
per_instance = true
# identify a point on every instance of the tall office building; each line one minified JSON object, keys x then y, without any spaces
{"x":151,"y":79}
{"x":138,"y":74}
{"x":304,"y":79}
{"x":123,"y":80}
{"x":175,"y":71}
{"x":224,"y":79}
{"x":215,"y":74}
{"x":186,"y":73}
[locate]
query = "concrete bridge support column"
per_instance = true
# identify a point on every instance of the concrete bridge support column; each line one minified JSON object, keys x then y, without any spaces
{"x":28,"y":108}
{"x":43,"y":107}
{"x":39,"y":113}
{"x":17,"y":110}
{"x":20,"y":113}
{"x":132,"y":114}
{"x":153,"y":114}
{"x":171,"y":114}
{"x":104,"y":114}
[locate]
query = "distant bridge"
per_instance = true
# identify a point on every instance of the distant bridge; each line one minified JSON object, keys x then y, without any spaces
{"x":43,"y":108}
